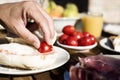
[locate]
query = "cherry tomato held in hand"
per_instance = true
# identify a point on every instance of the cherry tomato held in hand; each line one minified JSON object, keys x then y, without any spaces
{"x":85,"y":41}
{"x":68,"y":29}
{"x":77,"y":35}
{"x":71,"y":41}
{"x":44,"y":47}
{"x":62,"y":38}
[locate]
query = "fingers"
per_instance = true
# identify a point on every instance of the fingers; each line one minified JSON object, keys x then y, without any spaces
{"x":16,"y":20}
{"x":49,"y":19}
{"x":29,"y":37}
{"x":44,"y":22}
{"x":19,"y":28}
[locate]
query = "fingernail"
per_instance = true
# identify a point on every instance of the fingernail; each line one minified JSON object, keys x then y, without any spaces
{"x":50,"y":42}
{"x":37,"y":45}
{"x":54,"y":38}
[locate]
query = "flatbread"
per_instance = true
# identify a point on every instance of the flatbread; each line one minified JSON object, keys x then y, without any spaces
{"x":24,"y":56}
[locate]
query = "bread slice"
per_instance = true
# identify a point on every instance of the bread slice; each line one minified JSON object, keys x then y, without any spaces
{"x":23,"y":56}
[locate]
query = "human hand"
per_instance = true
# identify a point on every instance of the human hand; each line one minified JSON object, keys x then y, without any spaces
{"x":14,"y":16}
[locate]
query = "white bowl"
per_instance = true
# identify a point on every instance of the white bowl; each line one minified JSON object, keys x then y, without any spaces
{"x":60,"y":23}
{"x":77,"y":48}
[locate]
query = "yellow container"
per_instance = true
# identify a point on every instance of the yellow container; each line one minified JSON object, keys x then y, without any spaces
{"x":93,"y":23}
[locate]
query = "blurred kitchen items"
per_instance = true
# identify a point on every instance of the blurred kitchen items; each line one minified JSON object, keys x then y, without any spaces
{"x":109,"y":8}
{"x":93,"y":23}
{"x":113,"y":29}
{"x":57,"y":11}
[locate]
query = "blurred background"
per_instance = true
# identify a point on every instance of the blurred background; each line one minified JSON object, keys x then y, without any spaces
{"x":72,"y":10}
{"x":81,"y":4}
{"x":109,"y":8}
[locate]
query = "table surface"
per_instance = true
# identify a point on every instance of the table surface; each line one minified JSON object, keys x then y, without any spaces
{"x":56,"y":74}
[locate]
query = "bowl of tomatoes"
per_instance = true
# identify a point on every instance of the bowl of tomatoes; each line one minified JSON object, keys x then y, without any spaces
{"x":59,"y":23}
{"x":76,"y":40}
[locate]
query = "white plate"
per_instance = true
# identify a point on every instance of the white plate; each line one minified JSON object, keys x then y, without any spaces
{"x":62,"y":56}
{"x":103,"y":44}
{"x":78,"y":48}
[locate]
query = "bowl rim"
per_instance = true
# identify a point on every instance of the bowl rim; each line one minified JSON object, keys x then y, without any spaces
{"x":66,"y":18}
{"x":57,"y":19}
{"x":80,"y":48}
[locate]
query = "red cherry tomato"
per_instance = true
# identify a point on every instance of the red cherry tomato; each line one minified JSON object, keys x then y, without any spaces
{"x":77,"y":35}
{"x":62,"y":38}
{"x":71,"y":41}
{"x":93,"y":39}
{"x":44,"y":47}
{"x":85,"y":41}
{"x":86,"y":34}
{"x":68,"y":29}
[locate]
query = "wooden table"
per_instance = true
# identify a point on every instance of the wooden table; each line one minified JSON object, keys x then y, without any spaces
{"x":55,"y":74}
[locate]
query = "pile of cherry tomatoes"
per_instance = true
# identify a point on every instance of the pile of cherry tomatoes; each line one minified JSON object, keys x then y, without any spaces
{"x":70,"y":37}
{"x":73,"y":37}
